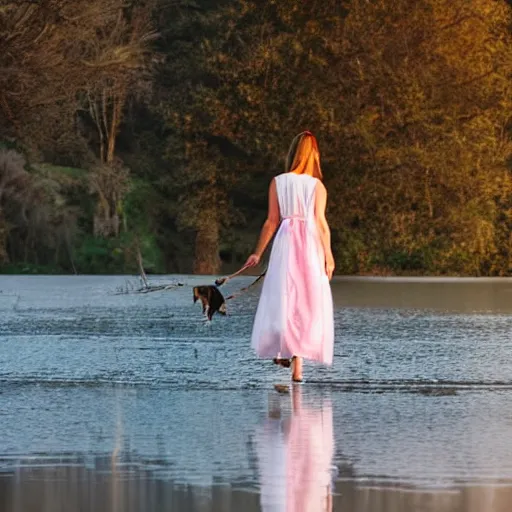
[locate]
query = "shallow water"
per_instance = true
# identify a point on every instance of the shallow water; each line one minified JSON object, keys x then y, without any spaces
{"x":133,"y":402}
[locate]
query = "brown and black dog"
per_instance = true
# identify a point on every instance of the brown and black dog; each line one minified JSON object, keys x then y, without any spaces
{"x":211,"y":299}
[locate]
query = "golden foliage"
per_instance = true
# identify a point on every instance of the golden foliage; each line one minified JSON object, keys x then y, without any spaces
{"x":411,"y":103}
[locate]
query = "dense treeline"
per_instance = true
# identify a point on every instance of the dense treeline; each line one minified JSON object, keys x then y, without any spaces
{"x":155,"y":127}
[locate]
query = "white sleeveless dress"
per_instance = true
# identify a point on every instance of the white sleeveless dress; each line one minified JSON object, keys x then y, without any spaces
{"x":295,"y":310}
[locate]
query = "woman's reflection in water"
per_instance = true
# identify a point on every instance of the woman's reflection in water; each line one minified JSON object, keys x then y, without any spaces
{"x":295,"y":447}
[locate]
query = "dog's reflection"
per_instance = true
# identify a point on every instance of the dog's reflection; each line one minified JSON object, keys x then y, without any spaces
{"x":295,"y":448}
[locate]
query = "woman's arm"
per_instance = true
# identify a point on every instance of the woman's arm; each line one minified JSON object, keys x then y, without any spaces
{"x":269,"y":227}
{"x":323,"y":227}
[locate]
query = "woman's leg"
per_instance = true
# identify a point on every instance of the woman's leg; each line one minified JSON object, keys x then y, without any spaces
{"x":297,"y":369}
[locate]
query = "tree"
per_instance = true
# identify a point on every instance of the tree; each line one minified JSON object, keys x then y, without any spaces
{"x":201,"y":176}
{"x":36,"y":220}
{"x":427,"y":88}
{"x":410,"y":102}
{"x":51,"y":74}
{"x":118,"y":61}
{"x":119,"y":64}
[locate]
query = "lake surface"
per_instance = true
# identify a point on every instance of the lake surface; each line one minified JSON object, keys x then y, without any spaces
{"x":131,"y":402}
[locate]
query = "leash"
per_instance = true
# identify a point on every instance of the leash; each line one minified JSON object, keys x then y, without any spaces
{"x":242,"y":290}
{"x":224,"y":280}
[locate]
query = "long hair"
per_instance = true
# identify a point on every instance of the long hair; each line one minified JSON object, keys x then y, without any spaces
{"x":304,"y":156}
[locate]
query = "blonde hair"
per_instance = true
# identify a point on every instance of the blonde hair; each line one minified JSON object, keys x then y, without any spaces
{"x":304,"y":156}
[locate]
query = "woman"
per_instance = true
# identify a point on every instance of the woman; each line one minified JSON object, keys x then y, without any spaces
{"x":294,"y":319}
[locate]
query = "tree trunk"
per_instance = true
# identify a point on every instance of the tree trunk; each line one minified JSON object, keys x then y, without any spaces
{"x":118,"y":101}
{"x":4,"y":235}
{"x":207,"y":260}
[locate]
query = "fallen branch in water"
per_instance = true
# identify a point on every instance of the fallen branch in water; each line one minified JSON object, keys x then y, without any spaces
{"x":144,"y":286}
{"x":131,"y":287}
{"x":158,"y":288}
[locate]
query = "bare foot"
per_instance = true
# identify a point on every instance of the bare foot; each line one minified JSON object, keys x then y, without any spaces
{"x":285,"y":363}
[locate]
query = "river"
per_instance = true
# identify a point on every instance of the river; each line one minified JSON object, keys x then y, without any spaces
{"x":131,"y":402}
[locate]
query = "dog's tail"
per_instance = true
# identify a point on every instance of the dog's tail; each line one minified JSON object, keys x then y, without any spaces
{"x":242,"y":290}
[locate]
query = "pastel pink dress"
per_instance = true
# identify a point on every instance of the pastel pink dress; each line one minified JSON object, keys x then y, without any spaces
{"x":295,"y":310}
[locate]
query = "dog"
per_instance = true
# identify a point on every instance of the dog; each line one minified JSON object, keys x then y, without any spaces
{"x":211,"y":299}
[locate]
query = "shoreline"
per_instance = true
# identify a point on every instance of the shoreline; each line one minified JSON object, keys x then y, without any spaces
{"x":399,"y":278}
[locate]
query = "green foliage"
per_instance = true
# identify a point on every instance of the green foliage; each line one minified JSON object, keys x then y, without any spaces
{"x":116,"y":255}
{"x":410,"y":102}
{"x":29,"y":269}
{"x":411,"y":107}
{"x":65,"y":175}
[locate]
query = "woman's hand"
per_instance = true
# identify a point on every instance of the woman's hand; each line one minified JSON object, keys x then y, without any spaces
{"x":252,"y":261}
{"x":329,"y":266}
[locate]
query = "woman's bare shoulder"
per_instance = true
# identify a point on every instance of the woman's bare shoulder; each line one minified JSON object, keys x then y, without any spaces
{"x":320,"y":187}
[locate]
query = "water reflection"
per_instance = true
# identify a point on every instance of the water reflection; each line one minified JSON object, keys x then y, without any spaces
{"x":295,"y":447}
